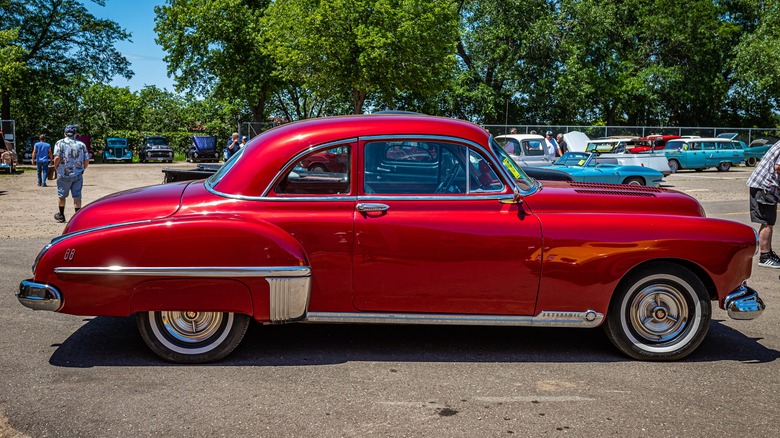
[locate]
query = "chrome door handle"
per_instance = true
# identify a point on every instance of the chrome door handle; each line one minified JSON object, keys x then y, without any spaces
{"x":366,"y":207}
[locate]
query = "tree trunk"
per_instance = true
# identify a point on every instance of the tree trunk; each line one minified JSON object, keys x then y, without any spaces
{"x":358,"y":98}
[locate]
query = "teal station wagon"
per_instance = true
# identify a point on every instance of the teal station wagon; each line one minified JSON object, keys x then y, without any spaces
{"x":703,"y":153}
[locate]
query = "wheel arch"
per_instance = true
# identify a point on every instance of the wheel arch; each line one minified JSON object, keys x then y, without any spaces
{"x":697,"y":270}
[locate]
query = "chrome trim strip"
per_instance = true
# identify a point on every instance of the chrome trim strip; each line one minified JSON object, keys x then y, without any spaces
{"x":273,"y":271}
{"x":39,"y":296}
{"x":586,"y":319}
{"x":289,"y":298}
{"x":744,"y":303}
{"x":60,"y":238}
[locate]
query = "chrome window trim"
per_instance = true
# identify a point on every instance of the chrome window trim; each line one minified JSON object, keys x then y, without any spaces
{"x":311,"y":149}
{"x":501,"y":170}
{"x":485,"y":153}
{"x":452,"y":197}
{"x":59,"y":239}
{"x":211,"y":271}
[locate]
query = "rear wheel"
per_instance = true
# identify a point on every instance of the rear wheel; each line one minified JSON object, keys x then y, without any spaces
{"x":192,"y":337}
{"x":674,"y":165}
{"x":634,"y":181}
{"x":661,"y":312}
{"x":724,"y":166}
{"x":317,"y":168}
{"x":752,"y":161}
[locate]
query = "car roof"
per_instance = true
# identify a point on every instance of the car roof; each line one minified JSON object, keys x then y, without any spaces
{"x":271,"y":150}
{"x":522,"y":136}
{"x":708,"y":139}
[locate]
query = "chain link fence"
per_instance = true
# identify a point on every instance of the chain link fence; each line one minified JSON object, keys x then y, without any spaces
{"x":745,"y":134}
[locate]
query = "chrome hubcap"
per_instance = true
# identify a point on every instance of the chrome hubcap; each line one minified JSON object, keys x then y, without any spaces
{"x":659,"y":313}
{"x":191,"y":327}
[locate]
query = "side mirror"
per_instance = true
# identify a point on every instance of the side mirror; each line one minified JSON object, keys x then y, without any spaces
{"x":516,"y":198}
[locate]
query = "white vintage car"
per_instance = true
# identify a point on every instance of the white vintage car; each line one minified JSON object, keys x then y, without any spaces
{"x":617,"y":148}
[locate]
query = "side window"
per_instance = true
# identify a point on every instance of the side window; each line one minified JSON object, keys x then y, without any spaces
{"x":673,"y":145}
{"x":426,"y":168}
{"x":695,"y":146}
{"x":324,"y":172}
{"x":533,"y":148}
{"x":728,"y":145}
{"x":510,"y":145}
{"x":708,"y":145}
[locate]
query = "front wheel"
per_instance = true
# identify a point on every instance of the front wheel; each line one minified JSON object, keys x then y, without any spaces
{"x":724,"y":166}
{"x":634,"y":181}
{"x":674,"y":165}
{"x":192,"y":337}
{"x":661,"y":312}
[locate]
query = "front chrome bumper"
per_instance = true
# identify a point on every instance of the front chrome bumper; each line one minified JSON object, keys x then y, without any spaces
{"x":744,"y":303}
{"x":39,"y":296}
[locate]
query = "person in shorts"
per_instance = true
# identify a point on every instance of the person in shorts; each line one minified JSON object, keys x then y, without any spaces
{"x":70,"y":159}
{"x":764,"y":185}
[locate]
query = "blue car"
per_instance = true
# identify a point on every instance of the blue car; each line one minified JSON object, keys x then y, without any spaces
{"x":117,"y":149}
{"x":589,"y":167}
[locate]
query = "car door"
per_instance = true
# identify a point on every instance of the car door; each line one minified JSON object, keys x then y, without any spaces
{"x":694,"y":156}
{"x":443,"y":245}
{"x":317,"y":208}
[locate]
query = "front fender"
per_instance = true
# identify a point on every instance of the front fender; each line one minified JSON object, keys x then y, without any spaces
{"x":217,"y":258}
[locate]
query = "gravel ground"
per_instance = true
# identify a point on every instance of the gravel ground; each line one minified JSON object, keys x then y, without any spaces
{"x":28,"y":210}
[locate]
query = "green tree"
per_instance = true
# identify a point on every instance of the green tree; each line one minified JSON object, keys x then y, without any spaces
{"x":365,"y":49}
{"x":11,"y":65}
{"x":61,"y":39}
{"x":756,"y":65}
{"x":213,"y":48}
{"x":104,"y":109}
{"x":160,"y":110}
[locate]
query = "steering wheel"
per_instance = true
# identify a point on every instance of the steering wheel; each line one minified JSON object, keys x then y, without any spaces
{"x":447,"y":182}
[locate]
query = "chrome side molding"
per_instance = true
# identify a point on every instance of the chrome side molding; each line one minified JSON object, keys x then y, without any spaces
{"x":216,"y":271}
{"x":744,"y":303}
{"x":586,"y":319}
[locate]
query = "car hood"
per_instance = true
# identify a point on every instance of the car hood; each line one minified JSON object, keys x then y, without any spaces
{"x":580,"y":197}
{"x":145,"y":203}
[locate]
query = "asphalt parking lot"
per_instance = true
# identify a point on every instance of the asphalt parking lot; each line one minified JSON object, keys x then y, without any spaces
{"x":65,"y":375}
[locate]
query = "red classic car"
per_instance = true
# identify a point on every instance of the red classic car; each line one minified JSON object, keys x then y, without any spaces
{"x":651,"y":143}
{"x":459,"y":235}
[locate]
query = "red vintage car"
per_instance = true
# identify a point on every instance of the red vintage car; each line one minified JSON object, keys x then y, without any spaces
{"x":462,"y":236}
{"x":651,"y":143}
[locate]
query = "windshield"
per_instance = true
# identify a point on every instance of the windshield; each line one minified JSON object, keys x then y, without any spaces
{"x":577,"y":159}
{"x":157,"y":141}
{"x":524,"y":181}
{"x":117,"y":142}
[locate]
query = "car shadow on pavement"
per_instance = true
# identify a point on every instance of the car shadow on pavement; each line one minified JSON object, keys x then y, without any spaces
{"x":108,"y":341}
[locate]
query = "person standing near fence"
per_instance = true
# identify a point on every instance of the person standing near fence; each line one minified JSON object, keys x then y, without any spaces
{"x":41,"y":156}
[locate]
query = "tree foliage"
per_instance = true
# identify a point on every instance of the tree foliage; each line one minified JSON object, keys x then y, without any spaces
{"x":61,"y":40}
{"x":365,"y":49}
{"x":213,"y":48}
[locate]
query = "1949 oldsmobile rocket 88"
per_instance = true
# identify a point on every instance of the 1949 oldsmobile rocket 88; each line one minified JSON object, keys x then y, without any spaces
{"x":431,"y":222}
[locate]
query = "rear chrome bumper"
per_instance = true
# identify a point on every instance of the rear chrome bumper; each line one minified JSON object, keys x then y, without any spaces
{"x":39,"y":296}
{"x":744,"y":303}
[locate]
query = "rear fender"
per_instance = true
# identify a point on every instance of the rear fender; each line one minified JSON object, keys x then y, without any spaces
{"x":208,"y":263}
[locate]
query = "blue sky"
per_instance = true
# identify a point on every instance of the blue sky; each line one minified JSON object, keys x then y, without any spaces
{"x":145,"y":56}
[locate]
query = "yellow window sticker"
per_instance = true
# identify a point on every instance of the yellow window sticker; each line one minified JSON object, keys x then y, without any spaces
{"x":511,"y":168}
{"x":581,"y":162}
